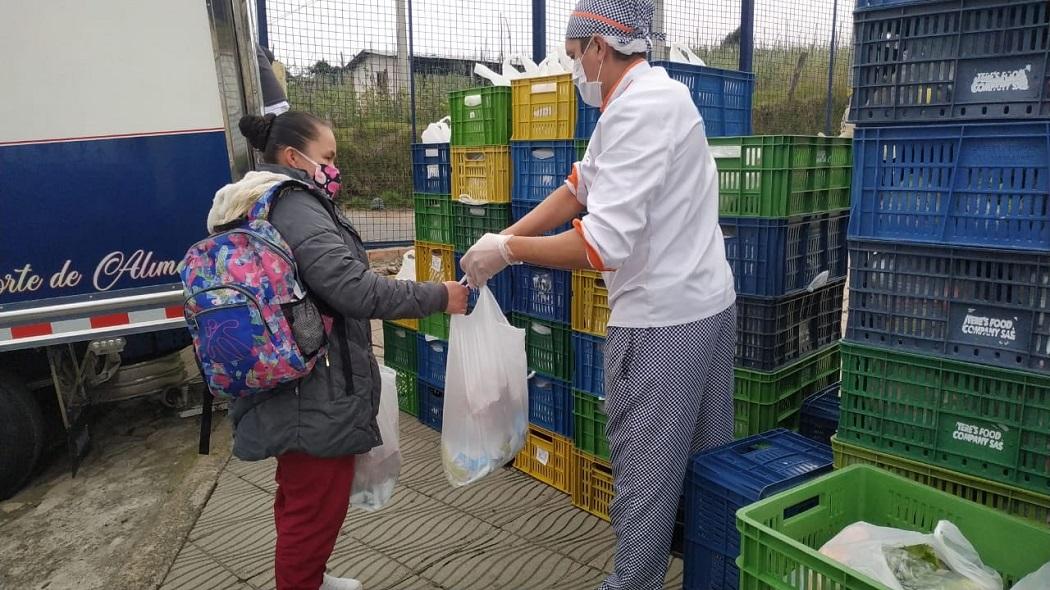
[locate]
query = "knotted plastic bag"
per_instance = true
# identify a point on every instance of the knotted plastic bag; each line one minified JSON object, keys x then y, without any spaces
{"x":376,"y":472}
{"x":486,"y":411}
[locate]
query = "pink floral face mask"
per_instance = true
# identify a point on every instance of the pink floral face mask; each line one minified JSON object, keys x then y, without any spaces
{"x":326,"y":177}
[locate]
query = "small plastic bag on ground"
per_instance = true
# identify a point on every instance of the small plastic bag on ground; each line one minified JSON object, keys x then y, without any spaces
{"x":486,"y":410}
{"x":1037,"y":580}
{"x":907,"y":560}
{"x":376,"y":472}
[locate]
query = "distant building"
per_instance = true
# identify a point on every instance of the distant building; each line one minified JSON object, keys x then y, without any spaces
{"x":372,"y":69}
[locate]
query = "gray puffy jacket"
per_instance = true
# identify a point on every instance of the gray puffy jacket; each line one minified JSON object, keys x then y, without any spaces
{"x":332,"y":411}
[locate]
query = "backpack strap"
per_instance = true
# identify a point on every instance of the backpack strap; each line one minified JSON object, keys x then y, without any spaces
{"x":261,"y":208}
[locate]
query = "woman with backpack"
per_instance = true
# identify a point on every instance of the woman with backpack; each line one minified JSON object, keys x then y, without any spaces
{"x":316,"y":425}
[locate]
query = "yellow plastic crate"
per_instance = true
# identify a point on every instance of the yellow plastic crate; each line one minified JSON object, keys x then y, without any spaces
{"x":435,"y":263}
{"x":543,"y":108}
{"x":592,"y":484}
{"x":481,"y":173}
{"x":590,"y":303}
{"x":546,"y":457}
{"x":411,"y":323}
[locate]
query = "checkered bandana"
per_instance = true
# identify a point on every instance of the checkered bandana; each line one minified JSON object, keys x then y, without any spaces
{"x":626,"y":20}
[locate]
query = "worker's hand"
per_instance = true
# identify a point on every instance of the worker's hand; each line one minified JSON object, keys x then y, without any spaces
{"x":487,"y":257}
{"x":457,"y":298}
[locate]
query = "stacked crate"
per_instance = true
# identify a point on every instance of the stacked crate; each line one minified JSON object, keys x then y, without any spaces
{"x":784,"y":207}
{"x":542,"y":154}
{"x":946,"y":366}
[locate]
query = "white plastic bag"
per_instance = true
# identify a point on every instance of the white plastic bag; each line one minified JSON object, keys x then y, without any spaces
{"x":900,"y":559}
{"x":682,"y":54}
{"x":486,"y":410}
{"x":1037,"y":580}
{"x":376,"y":472}
{"x":438,"y":131}
{"x":408,"y":267}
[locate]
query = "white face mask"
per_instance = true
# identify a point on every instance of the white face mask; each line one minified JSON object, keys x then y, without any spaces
{"x":590,"y":92}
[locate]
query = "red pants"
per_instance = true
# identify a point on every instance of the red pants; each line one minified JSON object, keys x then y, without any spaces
{"x":313,"y":495}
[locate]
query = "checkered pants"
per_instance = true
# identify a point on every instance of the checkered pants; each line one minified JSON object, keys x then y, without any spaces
{"x":669,"y":395}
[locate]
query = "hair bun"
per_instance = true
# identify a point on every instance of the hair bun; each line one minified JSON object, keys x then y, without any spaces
{"x":257,"y":129}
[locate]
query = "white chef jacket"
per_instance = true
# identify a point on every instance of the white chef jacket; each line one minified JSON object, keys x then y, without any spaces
{"x":650,"y":186}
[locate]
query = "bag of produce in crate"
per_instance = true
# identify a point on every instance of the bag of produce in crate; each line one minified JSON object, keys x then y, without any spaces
{"x":907,"y":560}
{"x":486,"y":412}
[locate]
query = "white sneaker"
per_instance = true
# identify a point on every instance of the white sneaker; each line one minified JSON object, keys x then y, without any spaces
{"x":331,"y":583}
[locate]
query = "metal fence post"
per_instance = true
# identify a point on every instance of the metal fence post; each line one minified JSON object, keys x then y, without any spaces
{"x":411,"y":74}
{"x":260,"y":19}
{"x":539,"y":30}
{"x":831,"y":68}
{"x":747,"y":35}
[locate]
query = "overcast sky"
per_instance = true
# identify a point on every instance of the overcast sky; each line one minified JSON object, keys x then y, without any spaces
{"x":304,"y":31}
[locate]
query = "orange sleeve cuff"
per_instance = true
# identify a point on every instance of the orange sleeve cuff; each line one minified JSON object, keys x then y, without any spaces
{"x":574,"y":179}
{"x":592,"y":255}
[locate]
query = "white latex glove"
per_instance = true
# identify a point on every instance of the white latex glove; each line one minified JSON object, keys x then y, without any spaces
{"x":486,"y":258}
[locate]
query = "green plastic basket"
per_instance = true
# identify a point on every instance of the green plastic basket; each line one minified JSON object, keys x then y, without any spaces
{"x":470,"y":222}
{"x":581,"y":148}
{"x":980,"y":420}
{"x":434,"y":218}
{"x":763,"y":401}
{"x":407,"y":393}
{"x":548,"y":345}
{"x":436,"y":325}
{"x":589,"y":426}
{"x":780,"y":536}
{"x":399,"y":347}
{"x":480,"y":116}
{"x":782,"y":175}
{"x":1005,"y":498}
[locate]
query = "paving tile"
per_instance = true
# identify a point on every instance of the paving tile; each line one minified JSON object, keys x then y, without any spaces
{"x":194,"y":570}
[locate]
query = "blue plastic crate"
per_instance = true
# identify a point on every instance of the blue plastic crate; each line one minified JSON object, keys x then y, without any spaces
{"x":540,"y":167}
{"x":710,"y":570}
{"x":431,"y":404}
{"x":723,"y":97}
{"x":543,"y":293}
{"x":431,"y":168}
{"x":501,"y":285}
{"x":985,"y":185}
{"x":586,"y":118}
{"x":974,"y":305}
{"x":589,"y":375}
{"x":950,"y":61}
{"x":550,"y":404}
{"x":819,"y":418}
{"x":432,"y":357}
{"x":774,"y":257}
{"x":721,"y":481}
{"x":519,"y":210}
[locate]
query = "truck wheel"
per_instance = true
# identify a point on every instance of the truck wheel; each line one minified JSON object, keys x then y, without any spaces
{"x":21,"y":434}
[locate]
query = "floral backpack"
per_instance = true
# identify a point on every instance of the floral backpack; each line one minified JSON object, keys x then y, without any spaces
{"x":253,"y":326}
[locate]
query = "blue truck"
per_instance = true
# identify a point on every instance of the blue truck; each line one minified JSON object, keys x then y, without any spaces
{"x":115,"y":132}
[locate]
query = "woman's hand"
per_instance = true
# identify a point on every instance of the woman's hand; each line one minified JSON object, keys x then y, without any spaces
{"x":457,"y":298}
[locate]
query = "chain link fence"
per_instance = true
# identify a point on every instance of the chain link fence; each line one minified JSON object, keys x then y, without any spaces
{"x":381,"y":70}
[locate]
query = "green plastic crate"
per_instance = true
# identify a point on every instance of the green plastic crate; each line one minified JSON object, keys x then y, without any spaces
{"x":763,"y":401}
{"x":470,"y":222}
{"x":434,"y":218}
{"x":780,"y":537}
{"x":782,"y":175}
{"x":480,"y":116}
{"x":980,"y":420}
{"x":407,"y":393}
{"x":581,"y":148}
{"x":548,"y":344}
{"x":1002,"y":497}
{"x":399,"y":347}
{"x":436,"y":325}
{"x":589,"y":426}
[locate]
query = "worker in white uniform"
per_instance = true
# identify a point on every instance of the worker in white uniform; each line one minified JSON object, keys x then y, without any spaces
{"x":650,"y":188}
